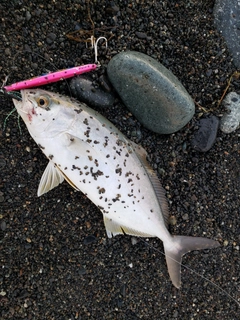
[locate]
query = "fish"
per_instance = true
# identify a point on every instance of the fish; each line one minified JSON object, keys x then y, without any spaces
{"x":94,"y":157}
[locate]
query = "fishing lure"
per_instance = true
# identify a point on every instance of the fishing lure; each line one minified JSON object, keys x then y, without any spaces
{"x":58,"y":75}
{"x":51,"y":77}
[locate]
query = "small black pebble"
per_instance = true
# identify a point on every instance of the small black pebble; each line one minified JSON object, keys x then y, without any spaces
{"x":206,"y":134}
{"x":89,"y":239}
{"x":83,"y":89}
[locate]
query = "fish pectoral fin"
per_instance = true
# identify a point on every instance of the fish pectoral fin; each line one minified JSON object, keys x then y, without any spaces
{"x":51,"y":178}
{"x":113,"y":228}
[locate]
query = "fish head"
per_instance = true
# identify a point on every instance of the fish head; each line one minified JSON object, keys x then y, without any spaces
{"x":44,"y":112}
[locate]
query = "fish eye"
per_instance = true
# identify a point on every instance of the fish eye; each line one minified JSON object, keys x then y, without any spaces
{"x":43,"y":102}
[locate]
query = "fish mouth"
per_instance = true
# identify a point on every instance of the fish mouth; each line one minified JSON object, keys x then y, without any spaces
{"x":24,"y":106}
{"x":19,"y":103}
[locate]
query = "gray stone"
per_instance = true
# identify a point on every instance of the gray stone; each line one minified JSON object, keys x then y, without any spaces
{"x":3,"y":225}
{"x":206,"y":134}
{"x":231,"y":120}
{"x":151,"y":92}
{"x":227,"y":13}
{"x":3,"y":163}
{"x":141,"y":35}
{"x":83,"y":89}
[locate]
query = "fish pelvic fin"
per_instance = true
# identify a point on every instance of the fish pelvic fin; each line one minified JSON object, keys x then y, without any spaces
{"x":180,"y":246}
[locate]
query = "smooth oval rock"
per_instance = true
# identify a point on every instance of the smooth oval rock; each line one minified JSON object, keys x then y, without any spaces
{"x":83,"y":89}
{"x":151,"y":92}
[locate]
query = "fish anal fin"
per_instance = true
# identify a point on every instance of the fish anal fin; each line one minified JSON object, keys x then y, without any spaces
{"x":113,"y":228}
{"x":50,"y":179}
{"x":159,"y":190}
{"x":181,"y":245}
{"x":68,"y":180}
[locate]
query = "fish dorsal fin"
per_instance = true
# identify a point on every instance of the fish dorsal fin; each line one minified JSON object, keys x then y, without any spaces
{"x":159,"y":191}
{"x":51,"y":178}
{"x":113,"y":228}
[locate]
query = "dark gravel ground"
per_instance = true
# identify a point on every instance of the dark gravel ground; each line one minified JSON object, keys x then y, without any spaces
{"x":56,"y":261}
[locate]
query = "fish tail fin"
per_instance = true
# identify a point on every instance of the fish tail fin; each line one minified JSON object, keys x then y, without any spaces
{"x":178,"y":247}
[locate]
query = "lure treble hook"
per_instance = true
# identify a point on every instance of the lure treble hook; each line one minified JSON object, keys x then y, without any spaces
{"x":96,"y":49}
{"x":94,"y":44}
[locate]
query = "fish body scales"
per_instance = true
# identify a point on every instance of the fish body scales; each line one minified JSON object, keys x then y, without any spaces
{"x":102,"y":163}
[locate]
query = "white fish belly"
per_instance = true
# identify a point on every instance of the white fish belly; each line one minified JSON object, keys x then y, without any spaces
{"x":103,"y":165}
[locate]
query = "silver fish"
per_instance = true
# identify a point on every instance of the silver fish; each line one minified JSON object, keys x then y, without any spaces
{"x":92,"y":155}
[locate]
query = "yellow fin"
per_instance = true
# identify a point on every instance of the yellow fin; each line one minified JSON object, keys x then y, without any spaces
{"x":68,"y":180}
{"x":113,"y":228}
{"x":51,"y":178}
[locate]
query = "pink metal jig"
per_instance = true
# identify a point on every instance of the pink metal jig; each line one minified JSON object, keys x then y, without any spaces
{"x":51,"y":77}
